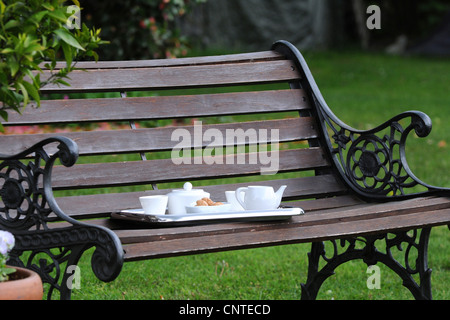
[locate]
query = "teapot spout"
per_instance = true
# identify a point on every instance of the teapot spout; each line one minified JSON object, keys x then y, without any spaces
{"x":279,"y":193}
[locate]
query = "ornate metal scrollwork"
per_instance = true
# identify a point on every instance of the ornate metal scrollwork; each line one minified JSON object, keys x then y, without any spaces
{"x":28,"y":206}
{"x":371,"y":162}
{"x":413,"y":244}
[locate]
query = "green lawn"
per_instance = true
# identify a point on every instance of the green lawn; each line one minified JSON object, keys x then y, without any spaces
{"x":266,"y":273}
{"x":364,"y":90}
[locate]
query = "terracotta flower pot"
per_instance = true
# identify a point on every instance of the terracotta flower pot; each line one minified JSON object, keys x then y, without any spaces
{"x":23,"y":284}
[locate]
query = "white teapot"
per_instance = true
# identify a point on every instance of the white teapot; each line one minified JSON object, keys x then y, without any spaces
{"x":259,"y":197}
{"x":180,"y":198}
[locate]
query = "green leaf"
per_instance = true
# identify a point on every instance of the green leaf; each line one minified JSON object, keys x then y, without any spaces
{"x":68,"y":38}
{"x":58,"y":15}
{"x":95,"y":55}
{"x":37,"y":17}
{"x":11,"y":24}
{"x":34,"y":47}
{"x":7,"y":271}
{"x":48,"y":6}
{"x":14,"y":66}
{"x":67,"y":54}
{"x":24,"y":92}
{"x":7,"y":50}
{"x":60,"y":81}
{"x":33,"y":92}
{"x":4,"y":115}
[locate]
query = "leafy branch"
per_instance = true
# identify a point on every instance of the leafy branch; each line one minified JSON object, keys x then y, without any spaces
{"x":34,"y":34}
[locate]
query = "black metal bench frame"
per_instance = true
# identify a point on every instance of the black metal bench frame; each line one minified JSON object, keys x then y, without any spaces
{"x":371,"y":163}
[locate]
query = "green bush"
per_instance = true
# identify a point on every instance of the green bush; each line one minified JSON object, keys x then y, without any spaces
{"x":139,"y":29}
{"x":33,"y":34}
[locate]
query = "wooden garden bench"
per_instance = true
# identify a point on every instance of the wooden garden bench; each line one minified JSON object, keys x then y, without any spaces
{"x":355,"y":187}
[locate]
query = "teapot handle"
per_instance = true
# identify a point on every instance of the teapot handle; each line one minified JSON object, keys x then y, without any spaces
{"x":238,"y":195}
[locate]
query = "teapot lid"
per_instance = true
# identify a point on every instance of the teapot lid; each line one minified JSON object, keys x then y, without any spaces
{"x":187,"y":187}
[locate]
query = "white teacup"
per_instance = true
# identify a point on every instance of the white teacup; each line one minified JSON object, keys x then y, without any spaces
{"x":154,"y":204}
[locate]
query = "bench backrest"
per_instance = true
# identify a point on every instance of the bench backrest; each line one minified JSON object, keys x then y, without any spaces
{"x":157,"y":110}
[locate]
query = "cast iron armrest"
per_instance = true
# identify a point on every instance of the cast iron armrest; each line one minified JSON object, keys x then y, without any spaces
{"x":371,"y":162}
{"x":28,"y":206}
{"x":26,"y":188}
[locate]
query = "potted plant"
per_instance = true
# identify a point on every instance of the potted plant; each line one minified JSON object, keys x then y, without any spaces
{"x":16,"y":283}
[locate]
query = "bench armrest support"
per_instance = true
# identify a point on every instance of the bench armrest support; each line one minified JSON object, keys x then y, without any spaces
{"x":26,"y":188}
{"x":370,"y":162}
{"x":28,"y":206}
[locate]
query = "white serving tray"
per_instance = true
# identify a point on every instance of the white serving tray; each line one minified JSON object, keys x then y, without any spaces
{"x":138,"y":215}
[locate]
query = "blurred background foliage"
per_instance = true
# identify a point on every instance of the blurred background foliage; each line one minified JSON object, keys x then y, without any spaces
{"x":139,"y":29}
{"x":146,"y":29}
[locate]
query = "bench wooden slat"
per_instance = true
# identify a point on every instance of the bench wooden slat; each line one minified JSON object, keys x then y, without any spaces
{"x":176,"y":77}
{"x":164,"y":170}
{"x":220,"y":59}
{"x":160,"y":107}
{"x":160,"y":138}
{"x":98,"y":205}
{"x":284,"y":234}
{"x":325,"y":203}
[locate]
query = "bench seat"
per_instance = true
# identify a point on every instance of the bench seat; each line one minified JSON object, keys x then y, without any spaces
{"x":335,"y":220}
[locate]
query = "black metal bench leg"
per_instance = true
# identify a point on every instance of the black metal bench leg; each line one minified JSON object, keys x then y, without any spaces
{"x":345,"y":250}
{"x":49,"y":264}
{"x":55,"y":254}
{"x":315,"y":277}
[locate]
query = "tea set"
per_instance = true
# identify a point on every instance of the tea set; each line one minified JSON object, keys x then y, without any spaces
{"x":185,"y":201}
